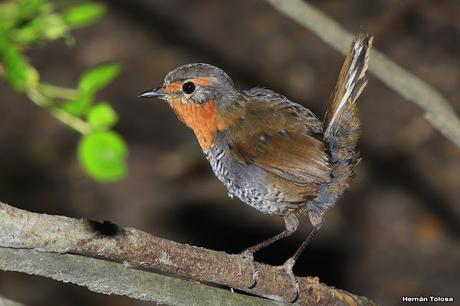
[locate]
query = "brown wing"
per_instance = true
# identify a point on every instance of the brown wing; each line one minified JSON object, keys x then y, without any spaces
{"x":281,"y":137}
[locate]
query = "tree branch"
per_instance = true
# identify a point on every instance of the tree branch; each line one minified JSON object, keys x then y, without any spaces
{"x":46,"y":234}
{"x":437,"y":109}
{"x":112,"y":278}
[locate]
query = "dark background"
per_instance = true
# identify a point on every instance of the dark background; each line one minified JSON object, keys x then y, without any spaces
{"x":395,"y":232}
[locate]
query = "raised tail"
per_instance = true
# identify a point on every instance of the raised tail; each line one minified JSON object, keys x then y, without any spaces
{"x":341,"y":122}
{"x":341,"y":127}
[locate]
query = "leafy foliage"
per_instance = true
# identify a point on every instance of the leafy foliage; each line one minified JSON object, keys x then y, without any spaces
{"x":90,"y":82}
{"x":102,"y":155}
{"x":28,"y":23}
{"x":102,"y":117}
{"x":98,"y":77}
{"x":84,"y":13}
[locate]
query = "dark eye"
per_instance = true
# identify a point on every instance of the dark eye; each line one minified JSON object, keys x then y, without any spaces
{"x":188,"y":87}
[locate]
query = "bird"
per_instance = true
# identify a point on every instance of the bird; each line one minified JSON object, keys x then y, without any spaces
{"x":273,"y":154}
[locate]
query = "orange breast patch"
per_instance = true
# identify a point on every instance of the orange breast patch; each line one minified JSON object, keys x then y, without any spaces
{"x":203,"y":119}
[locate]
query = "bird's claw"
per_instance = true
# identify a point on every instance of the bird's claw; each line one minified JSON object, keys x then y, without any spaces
{"x":287,"y":268}
{"x":248,"y":255}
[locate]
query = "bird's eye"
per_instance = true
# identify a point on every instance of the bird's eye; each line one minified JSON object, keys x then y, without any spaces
{"x":188,"y":87}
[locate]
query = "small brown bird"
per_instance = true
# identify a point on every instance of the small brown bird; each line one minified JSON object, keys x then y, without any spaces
{"x":271,"y":153}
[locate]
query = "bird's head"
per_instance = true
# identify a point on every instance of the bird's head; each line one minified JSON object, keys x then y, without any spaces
{"x":202,"y":96}
{"x":194,"y":83}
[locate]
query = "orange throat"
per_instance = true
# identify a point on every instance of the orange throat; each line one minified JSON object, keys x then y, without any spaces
{"x":201,"y":118}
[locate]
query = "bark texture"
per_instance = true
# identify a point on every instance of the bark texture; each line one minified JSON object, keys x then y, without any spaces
{"x":138,"y":250}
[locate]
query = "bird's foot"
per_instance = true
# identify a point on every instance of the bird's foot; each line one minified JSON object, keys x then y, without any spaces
{"x":287,"y":267}
{"x":248,"y":255}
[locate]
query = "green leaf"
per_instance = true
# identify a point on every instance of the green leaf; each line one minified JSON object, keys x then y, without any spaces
{"x":98,"y":77}
{"x":9,"y":14}
{"x":83,"y":14}
{"x":91,"y":81}
{"x":30,"y":7}
{"x":54,"y":27}
{"x":17,"y":12}
{"x":49,"y":27}
{"x":32,"y":77}
{"x":102,"y":116}
{"x":102,"y":155}
{"x":18,"y":73}
{"x":30,"y":32}
{"x":78,"y":106}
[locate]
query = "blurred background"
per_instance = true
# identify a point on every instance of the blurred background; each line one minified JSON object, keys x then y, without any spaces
{"x":395,"y":232}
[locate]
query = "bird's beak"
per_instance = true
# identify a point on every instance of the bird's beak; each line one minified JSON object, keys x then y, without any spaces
{"x":153,"y":93}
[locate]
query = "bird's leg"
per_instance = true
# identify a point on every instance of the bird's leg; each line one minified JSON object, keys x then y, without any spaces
{"x":291,"y":223}
{"x":289,"y":264}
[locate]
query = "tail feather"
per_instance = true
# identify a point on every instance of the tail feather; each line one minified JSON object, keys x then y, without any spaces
{"x":341,"y":121}
{"x":341,"y":128}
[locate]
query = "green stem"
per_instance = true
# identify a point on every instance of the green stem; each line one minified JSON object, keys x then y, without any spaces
{"x":74,"y":122}
{"x":57,"y":91}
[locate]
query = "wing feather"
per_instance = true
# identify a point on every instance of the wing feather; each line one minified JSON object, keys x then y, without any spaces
{"x":281,"y":137}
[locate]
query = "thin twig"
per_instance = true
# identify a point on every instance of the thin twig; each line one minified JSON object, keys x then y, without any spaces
{"x":437,"y":109}
{"x":139,"y":250}
{"x":38,"y":97}
{"x":53,"y":91}
{"x":65,"y":117}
